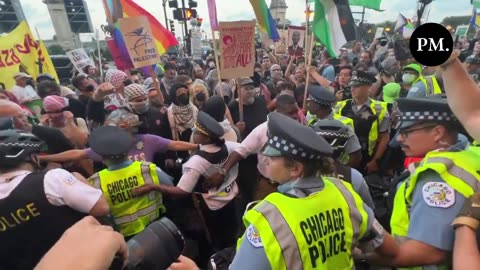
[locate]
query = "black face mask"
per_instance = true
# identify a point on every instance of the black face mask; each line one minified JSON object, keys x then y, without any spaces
{"x":200,"y":96}
{"x":183,"y":100}
{"x":227,"y":99}
{"x":90,"y":88}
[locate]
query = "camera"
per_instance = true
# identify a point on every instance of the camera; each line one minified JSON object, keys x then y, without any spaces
{"x":155,"y":248}
{"x":382,"y":41}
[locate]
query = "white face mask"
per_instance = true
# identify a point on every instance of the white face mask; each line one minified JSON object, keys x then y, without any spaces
{"x":408,"y":78}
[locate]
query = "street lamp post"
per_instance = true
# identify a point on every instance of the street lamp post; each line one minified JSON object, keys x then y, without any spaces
{"x":164,"y":3}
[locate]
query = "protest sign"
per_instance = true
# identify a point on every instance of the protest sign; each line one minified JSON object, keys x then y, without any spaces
{"x":79,"y":59}
{"x":296,"y":40}
{"x":20,"y":52}
{"x":139,"y":41}
{"x":196,"y":43}
{"x":379,"y":32}
{"x":237,"y":43}
{"x":461,"y":30}
{"x":281,"y":45}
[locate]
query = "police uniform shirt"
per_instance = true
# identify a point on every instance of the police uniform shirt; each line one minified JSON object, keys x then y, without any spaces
{"x":253,"y":144}
{"x":430,"y":223}
{"x":383,"y":126}
{"x":61,"y":189}
{"x":360,"y":186}
{"x":418,"y":90}
{"x":251,"y":254}
{"x":197,"y":166}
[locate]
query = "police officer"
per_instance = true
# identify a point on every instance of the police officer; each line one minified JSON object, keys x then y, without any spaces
{"x":131,"y":214}
{"x":472,"y":65}
{"x":427,"y":202}
{"x":319,"y":107}
{"x":371,"y":120}
{"x":311,"y":223}
{"x":36,"y":207}
{"x":215,"y":205}
{"x":337,"y":135}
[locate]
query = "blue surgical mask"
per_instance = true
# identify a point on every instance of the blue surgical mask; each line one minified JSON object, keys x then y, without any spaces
{"x":285,"y":187}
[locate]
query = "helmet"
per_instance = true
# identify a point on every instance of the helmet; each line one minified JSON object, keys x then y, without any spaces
{"x":17,"y":146}
{"x":334,"y":132}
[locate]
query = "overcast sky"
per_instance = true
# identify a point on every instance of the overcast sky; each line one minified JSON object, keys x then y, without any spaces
{"x":230,"y":10}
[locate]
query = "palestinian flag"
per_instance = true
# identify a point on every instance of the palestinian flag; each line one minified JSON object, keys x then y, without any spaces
{"x":333,"y":24}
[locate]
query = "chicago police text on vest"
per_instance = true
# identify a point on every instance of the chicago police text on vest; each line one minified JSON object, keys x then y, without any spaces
{"x":120,"y":190}
{"x":324,"y":234}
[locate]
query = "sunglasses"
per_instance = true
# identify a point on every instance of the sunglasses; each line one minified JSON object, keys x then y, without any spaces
{"x":406,"y":132}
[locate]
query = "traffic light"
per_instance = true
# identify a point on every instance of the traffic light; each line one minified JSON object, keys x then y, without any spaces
{"x":192,"y":3}
{"x":178,"y":14}
{"x":190,"y":13}
{"x":172,"y":26}
{"x":173,"y":4}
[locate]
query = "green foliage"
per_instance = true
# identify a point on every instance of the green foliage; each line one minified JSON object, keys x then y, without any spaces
{"x":55,"y":50}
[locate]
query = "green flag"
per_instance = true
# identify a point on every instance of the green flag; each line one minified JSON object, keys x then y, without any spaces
{"x":372,"y":4}
{"x":333,"y":24}
{"x":476,"y":3}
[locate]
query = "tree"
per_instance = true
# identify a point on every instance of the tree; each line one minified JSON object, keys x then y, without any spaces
{"x":453,"y":21}
{"x":106,"y":53}
{"x":55,"y":50}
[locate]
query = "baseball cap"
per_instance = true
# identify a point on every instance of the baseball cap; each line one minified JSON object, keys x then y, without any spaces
{"x":415,"y":67}
{"x":21,"y":75}
{"x":391,"y":91}
{"x":245,"y":81}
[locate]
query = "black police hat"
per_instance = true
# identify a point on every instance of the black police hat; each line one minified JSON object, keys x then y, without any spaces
{"x":208,"y":126}
{"x":110,"y":141}
{"x":416,"y":110}
{"x":362,"y":78}
{"x":287,"y":137}
{"x":321,"y":95}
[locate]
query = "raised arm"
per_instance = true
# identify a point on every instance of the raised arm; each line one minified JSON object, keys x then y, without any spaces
{"x":463,"y":96}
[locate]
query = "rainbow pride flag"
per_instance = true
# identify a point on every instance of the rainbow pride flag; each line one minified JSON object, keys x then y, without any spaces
{"x":265,"y":20}
{"x":116,"y":9}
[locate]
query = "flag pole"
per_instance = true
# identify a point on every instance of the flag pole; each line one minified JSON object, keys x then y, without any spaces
{"x":307,"y":82}
{"x":40,"y":64}
{"x":217,"y":64}
{"x":307,"y":28}
{"x":97,"y":35}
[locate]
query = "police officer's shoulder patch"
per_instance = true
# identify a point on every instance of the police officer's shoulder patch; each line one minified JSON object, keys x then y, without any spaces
{"x":438,"y":194}
{"x":253,"y":237}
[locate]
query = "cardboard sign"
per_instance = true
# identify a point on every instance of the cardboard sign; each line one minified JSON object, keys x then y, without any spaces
{"x":79,"y":59}
{"x":237,"y":43}
{"x":139,"y":40}
{"x":196,"y":41}
{"x":281,"y":45}
{"x":461,"y":30}
{"x":379,"y":32}
{"x":296,"y":40}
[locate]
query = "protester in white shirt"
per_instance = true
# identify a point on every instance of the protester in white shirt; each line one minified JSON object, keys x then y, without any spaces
{"x":25,"y":93}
